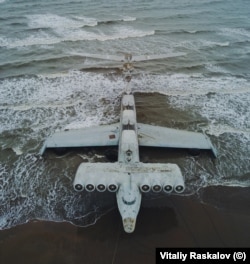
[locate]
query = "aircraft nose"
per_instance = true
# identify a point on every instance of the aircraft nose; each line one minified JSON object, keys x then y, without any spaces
{"x":129,"y":224}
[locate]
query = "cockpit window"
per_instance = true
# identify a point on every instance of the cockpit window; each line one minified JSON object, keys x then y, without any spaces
{"x":128,"y":203}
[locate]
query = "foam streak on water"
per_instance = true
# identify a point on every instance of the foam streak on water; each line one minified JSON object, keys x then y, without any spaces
{"x":46,"y":85}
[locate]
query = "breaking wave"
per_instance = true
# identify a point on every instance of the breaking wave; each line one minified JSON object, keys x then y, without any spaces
{"x":77,"y":34}
{"x":41,"y":21}
{"x":53,"y":21}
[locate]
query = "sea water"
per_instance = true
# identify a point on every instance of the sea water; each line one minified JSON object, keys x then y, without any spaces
{"x":46,"y":84}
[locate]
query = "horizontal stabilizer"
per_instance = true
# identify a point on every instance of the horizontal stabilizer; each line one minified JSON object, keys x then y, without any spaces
{"x":147,"y":176}
{"x":130,"y":57}
{"x":106,"y":135}
{"x":103,"y":57}
{"x":155,"y":136}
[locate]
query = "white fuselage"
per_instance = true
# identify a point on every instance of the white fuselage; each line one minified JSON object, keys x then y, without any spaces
{"x":128,"y":139}
{"x":128,"y":177}
{"x":128,"y":196}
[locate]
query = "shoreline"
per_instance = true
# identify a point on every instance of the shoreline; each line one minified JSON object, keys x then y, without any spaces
{"x":174,"y":221}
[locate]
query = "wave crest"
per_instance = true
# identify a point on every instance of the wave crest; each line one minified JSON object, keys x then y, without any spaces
{"x":66,"y":34}
{"x":56,"y":21}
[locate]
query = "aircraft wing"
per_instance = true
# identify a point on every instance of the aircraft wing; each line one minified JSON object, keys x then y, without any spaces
{"x":156,"y":57}
{"x":106,"y":135}
{"x":156,"y":136}
{"x":146,"y":176}
{"x":103,"y":57}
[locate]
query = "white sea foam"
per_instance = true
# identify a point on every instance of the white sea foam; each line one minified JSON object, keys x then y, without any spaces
{"x":87,"y":122}
{"x":217,"y":129}
{"x":76,"y":97}
{"x":74,"y":34}
{"x":26,"y":95}
{"x":40,"y":38}
{"x":55,"y":21}
{"x":116,"y":18}
{"x":117,"y":32}
{"x":222,"y":101}
{"x":4,"y":42}
{"x":123,"y":32}
{"x":128,"y":18}
{"x":200,"y":44}
{"x":39,"y":90}
{"x":215,"y":68}
{"x":17,"y":150}
{"x":186,"y":84}
{"x":235,"y":33}
{"x":70,"y":29}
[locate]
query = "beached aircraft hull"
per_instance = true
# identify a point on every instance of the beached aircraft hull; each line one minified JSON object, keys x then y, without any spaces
{"x":128,"y":177}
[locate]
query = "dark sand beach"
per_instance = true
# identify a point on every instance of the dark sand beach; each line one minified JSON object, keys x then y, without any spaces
{"x":174,"y":221}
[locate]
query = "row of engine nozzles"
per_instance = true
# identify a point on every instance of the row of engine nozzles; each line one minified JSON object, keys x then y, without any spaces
{"x":113,"y":187}
{"x":90,"y":187}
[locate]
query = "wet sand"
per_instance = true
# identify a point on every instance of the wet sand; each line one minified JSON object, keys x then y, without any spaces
{"x":173,"y":221}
